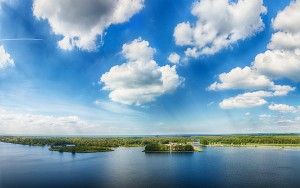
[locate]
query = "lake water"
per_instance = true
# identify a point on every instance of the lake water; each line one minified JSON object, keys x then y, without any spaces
{"x":25,"y":166}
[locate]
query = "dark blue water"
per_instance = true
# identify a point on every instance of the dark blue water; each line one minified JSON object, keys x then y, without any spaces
{"x":25,"y":166}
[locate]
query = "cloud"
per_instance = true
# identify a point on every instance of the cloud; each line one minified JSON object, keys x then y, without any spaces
{"x":246,"y":100}
{"x":241,"y":78}
{"x":140,"y":80}
{"x":174,"y":58}
{"x":282,"y":90}
{"x":283,"y":19}
{"x":279,"y":123}
{"x":282,"y":108}
{"x":279,"y":64}
{"x":5,"y":60}
{"x":285,"y":40}
{"x":80,"y":23}
{"x":42,"y":120}
{"x":253,"y":99}
{"x":26,"y":123}
{"x":282,"y":59}
{"x":14,"y":122}
{"x":248,"y":78}
{"x":219,"y":24}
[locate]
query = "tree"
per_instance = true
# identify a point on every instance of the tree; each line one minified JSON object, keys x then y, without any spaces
{"x":204,"y":141}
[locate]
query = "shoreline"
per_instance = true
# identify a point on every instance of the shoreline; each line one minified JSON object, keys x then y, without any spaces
{"x":260,"y":146}
{"x":170,"y":151}
{"x":203,"y":146}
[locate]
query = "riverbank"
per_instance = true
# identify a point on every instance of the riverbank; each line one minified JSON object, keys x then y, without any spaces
{"x":266,"y":146}
{"x":170,"y":151}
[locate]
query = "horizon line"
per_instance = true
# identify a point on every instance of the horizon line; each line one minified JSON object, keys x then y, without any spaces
{"x":149,"y":135}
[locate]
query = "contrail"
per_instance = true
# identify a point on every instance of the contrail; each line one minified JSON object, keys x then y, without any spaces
{"x":21,"y":39}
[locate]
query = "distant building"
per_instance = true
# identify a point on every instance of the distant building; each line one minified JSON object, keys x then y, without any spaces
{"x":196,"y":145}
{"x":70,"y":145}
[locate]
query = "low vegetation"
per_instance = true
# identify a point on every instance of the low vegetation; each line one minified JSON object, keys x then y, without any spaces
{"x":182,"y":148}
{"x":244,"y":140}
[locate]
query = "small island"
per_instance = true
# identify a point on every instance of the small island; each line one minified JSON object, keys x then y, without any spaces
{"x":171,"y":147}
{"x":79,"y":149}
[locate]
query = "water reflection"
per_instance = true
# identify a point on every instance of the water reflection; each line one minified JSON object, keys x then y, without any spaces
{"x":130,"y":167}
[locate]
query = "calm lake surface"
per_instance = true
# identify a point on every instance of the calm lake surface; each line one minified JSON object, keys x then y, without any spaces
{"x":25,"y":166}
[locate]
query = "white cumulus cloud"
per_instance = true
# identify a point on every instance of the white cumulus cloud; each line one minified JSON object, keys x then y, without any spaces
{"x":283,"y":19}
{"x":282,"y":59}
{"x":282,"y":108}
{"x":80,"y":22}
{"x":241,"y":78}
{"x":282,"y":90}
{"x":246,"y":100}
{"x":5,"y":60}
{"x":219,"y":24}
{"x":249,"y":79}
{"x":279,"y":64}
{"x":174,"y":58}
{"x":253,"y":99}
{"x":141,"y":79}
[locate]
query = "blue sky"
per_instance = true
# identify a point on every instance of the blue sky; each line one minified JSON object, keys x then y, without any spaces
{"x":48,"y":87}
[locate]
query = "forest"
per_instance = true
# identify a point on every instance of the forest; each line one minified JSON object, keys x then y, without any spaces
{"x":240,"y":140}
